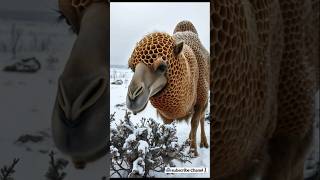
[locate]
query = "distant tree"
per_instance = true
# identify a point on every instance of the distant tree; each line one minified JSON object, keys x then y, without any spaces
{"x":114,"y":74}
{"x":15,"y":35}
{"x":55,"y":170}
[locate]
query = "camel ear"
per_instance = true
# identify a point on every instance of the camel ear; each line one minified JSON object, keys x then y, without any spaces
{"x":178,"y":48}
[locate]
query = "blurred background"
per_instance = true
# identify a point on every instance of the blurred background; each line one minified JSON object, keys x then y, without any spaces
{"x":34,"y":47}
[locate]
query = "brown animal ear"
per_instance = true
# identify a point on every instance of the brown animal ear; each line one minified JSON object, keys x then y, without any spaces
{"x":178,"y":48}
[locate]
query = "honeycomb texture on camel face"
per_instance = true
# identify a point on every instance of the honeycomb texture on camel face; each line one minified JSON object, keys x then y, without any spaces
{"x":192,"y":40}
{"x":238,"y":83}
{"x":295,"y":84}
{"x":315,"y":36}
{"x":175,"y":99}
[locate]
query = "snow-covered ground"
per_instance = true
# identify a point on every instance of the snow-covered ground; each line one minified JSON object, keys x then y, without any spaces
{"x":26,"y":100}
{"x":117,"y":104}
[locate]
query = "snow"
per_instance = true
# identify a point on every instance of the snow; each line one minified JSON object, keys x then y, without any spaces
{"x":143,"y":147}
{"x":138,"y":166}
{"x":173,"y":144}
{"x":114,"y":151}
{"x":131,"y":138}
{"x":117,"y":104}
{"x":140,"y":131}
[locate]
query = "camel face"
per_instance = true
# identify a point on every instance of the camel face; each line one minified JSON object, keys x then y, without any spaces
{"x":149,"y":78}
{"x":80,"y":113}
{"x":146,"y":82}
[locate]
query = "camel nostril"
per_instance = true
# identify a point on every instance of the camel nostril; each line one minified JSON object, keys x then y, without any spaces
{"x":130,"y":93}
{"x":93,"y":90}
{"x":88,"y":97}
{"x":138,"y":91}
{"x":63,"y":100}
{"x":75,"y":3}
{"x":134,"y":93}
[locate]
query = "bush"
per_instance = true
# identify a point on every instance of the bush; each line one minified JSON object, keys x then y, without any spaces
{"x":139,"y":150}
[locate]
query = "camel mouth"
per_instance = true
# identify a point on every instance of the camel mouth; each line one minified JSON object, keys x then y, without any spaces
{"x":135,"y":112}
{"x":82,"y":136}
{"x":145,"y":83}
{"x":157,"y":89}
{"x":79,"y":114}
{"x":137,"y":101}
{"x":140,"y":102}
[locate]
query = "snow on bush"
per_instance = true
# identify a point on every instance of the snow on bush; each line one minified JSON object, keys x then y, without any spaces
{"x":142,"y":149}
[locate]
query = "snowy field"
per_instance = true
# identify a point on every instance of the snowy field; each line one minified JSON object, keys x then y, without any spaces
{"x":26,"y":100}
{"x":117,"y":105}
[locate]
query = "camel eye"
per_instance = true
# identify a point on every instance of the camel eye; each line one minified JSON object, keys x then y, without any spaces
{"x":162,"y":68}
{"x":62,"y":17}
{"x":67,"y":21}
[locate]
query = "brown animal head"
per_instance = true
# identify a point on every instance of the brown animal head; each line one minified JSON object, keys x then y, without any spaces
{"x":151,"y":61}
{"x":79,"y":116}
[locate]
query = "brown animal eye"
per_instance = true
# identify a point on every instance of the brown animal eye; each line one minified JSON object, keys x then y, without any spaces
{"x":162,"y":68}
{"x":62,"y":17}
{"x":67,"y":21}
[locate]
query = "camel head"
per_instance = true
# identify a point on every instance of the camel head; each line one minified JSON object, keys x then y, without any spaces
{"x":150,"y":70}
{"x":80,"y":113}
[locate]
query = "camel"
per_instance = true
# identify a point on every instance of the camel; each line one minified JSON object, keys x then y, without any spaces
{"x":263,"y":79}
{"x":79,"y":119}
{"x":172,"y":71}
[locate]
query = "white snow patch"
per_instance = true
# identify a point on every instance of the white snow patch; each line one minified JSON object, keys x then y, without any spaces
{"x":130,"y":139}
{"x":143,"y":148}
{"x":138,"y":166}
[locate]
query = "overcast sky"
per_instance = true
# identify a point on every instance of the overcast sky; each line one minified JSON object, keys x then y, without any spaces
{"x":129,"y":22}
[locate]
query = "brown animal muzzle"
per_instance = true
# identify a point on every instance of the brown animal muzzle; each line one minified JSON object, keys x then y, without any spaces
{"x":146,"y":82}
{"x":135,"y":90}
{"x":79,"y":117}
{"x":138,"y":91}
{"x":137,"y":97}
{"x":88,"y":97}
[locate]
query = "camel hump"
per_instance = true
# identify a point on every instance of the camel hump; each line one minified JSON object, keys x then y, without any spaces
{"x":185,"y":26}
